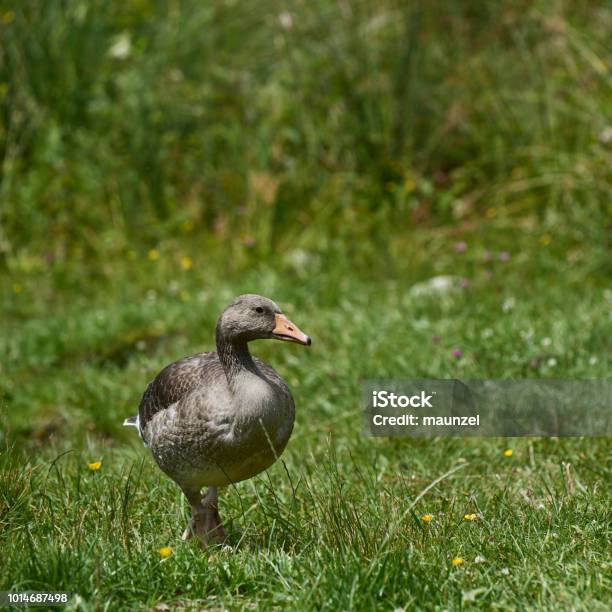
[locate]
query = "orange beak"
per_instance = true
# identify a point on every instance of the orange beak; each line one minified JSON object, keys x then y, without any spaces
{"x":286,"y":330}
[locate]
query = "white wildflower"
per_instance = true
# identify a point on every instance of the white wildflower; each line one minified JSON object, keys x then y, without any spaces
{"x":436,"y":284}
{"x":120,"y":49}
{"x":286,"y":20}
{"x":299,"y":258}
{"x":605,"y":135}
{"x":508,"y":304}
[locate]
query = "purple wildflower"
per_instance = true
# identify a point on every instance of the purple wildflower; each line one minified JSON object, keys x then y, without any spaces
{"x":248,"y":242}
{"x":461,"y":247}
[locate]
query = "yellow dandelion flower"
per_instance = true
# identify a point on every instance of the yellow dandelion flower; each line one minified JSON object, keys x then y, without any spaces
{"x":508,"y":452}
{"x":153,"y":254}
{"x":470,"y":517}
{"x":95,"y":466}
{"x":545,"y":239}
{"x":188,"y":226}
{"x":426,"y":518}
{"x":186,"y":263}
{"x":409,"y":185}
{"x":17,"y":287}
{"x":457,"y":561}
{"x":491,"y":213}
{"x":164,"y":552}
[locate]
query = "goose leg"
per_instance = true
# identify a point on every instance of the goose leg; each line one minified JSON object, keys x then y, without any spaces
{"x":205,"y":522}
{"x":197,"y":511}
{"x":212,"y":522}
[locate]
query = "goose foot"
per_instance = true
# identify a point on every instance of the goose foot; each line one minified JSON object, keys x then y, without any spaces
{"x":205,"y":522}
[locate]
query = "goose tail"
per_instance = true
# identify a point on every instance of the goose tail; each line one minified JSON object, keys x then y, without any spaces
{"x":132,"y":422}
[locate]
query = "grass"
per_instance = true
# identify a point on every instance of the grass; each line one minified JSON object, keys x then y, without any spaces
{"x":337,"y":524}
{"x":235,"y":120}
{"x":159,"y":157}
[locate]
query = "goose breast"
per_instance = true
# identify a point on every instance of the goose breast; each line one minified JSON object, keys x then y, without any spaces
{"x":216,"y":435}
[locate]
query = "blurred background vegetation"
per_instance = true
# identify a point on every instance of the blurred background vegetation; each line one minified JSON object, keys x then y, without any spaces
{"x":159,"y":157}
{"x":345,"y":128}
{"x":423,"y":186}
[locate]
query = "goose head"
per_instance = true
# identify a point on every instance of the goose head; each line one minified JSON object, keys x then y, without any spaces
{"x":252,"y":317}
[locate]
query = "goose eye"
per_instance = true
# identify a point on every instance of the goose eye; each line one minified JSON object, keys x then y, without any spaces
{"x":259,"y":309}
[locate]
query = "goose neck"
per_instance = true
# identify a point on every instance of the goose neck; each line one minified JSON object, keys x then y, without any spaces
{"x":234,"y":356}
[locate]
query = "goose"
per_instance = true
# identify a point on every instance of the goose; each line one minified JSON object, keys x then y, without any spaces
{"x":214,"y":419}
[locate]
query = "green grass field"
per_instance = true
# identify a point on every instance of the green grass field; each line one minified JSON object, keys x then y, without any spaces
{"x":159,"y":157}
{"x":338,"y":523}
